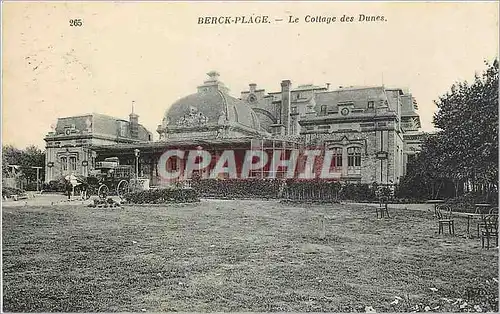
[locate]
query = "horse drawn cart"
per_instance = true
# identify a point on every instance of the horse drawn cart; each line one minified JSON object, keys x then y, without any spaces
{"x":109,"y":178}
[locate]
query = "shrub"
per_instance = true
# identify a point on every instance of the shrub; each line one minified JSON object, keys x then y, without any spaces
{"x":54,"y":186}
{"x":362,"y":192}
{"x":160,"y":196}
{"x":8,"y":192}
{"x":32,"y":186}
{"x":466,"y":202}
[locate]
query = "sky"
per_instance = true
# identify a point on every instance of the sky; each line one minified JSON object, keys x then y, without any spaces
{"x":155,"y":53}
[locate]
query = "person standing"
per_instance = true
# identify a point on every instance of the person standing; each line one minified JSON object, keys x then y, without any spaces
{"x":69,"y":189}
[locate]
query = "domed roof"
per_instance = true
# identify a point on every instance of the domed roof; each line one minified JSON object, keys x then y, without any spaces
{"x":211,"y":105}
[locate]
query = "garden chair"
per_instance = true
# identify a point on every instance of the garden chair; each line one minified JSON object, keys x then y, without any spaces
{"x":492,"y":211}
{"x":382,"y":210}
{"x":444,"y":216}
{"x":490,"y":224}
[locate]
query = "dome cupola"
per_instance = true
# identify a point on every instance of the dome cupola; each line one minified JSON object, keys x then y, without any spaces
{"x":205,"y":113}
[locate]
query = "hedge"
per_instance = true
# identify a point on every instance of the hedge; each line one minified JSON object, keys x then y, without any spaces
{"x":160,"y":196}
{"x":292,"y":189}
{"x":238,"y":188}
{"x":312,"y":190}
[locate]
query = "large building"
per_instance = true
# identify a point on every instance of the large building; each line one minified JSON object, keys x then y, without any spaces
{"x":372,"y":131}
{"x":69,"y":144}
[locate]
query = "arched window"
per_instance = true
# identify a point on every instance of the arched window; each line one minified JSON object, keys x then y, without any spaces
{"x":64,"y":163}
{"x":72,"y":163}
{"x":336,"y":157}
{"x":354,"y":156}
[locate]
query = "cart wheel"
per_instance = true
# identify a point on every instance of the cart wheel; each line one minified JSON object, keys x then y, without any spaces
{"x":103,"y":191}
{"x":122,"y":188}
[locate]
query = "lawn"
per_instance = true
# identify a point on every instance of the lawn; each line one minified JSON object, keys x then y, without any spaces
{"x":239,"y":256}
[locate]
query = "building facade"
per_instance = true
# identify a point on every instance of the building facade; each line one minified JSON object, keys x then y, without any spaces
{"x":69,"y":146}
{"x":372,"y":131}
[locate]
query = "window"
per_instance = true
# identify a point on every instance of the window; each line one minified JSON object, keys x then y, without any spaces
{"x":174,"y":164}
{"x":354,"y":157}
{"x":371,"y":104}
{"x":336,"y":162}
{"x":123,"y":129}
{"x":323,"y":109}
{"x":336,"y":157}
{"x":293,"y":127}
{"x":72,"y":163}
{"x":294,"y":109}
{"x":64,"y":163}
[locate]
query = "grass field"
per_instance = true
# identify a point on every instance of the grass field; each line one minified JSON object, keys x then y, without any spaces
{"x":239,"y":256}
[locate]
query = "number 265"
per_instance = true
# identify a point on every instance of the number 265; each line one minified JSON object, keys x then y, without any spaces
{"x":77,"y":22}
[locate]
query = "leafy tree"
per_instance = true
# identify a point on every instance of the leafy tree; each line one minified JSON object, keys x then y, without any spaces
{"x":465,"y":149}
{"x":468,"y":119}
{"x":32,"y":157}
{"x":10,"y":156}
{"x":25,"y":159}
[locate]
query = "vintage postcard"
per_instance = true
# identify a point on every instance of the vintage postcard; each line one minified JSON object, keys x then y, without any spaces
{"x":250,"y":156}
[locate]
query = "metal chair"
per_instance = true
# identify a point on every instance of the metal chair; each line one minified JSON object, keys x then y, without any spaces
{"x":492,"y":211}
{"x":382,"y":210}
{"x":490,"y":224}
{"x":444,"y":216}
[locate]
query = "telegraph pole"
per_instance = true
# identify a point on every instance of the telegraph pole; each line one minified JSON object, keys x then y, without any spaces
{"x":137,"y":153}
{"x":37,"y":177}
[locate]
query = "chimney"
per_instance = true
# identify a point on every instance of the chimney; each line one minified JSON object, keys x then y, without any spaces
{"x":327,"y":86}
{"x":285,"y":105}
{"x":253,"y":87}
{"x":134,"y":123}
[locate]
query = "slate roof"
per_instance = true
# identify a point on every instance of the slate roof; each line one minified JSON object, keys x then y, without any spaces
{"x":100,"y":124}
{"x":359,"y":96}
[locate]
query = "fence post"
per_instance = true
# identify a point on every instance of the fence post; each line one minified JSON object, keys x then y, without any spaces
{"x":322,"y":227}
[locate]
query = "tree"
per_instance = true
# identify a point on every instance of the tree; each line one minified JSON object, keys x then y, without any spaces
{"x":468,"y":119}
{"x":25,"y":159}
{"x":465,"y":149}
{"x":10,"y":156}
{"x":32,"y":157}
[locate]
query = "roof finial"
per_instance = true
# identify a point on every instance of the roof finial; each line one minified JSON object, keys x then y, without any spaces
{"x":214,"y":75}
{"x":133,"y":102}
